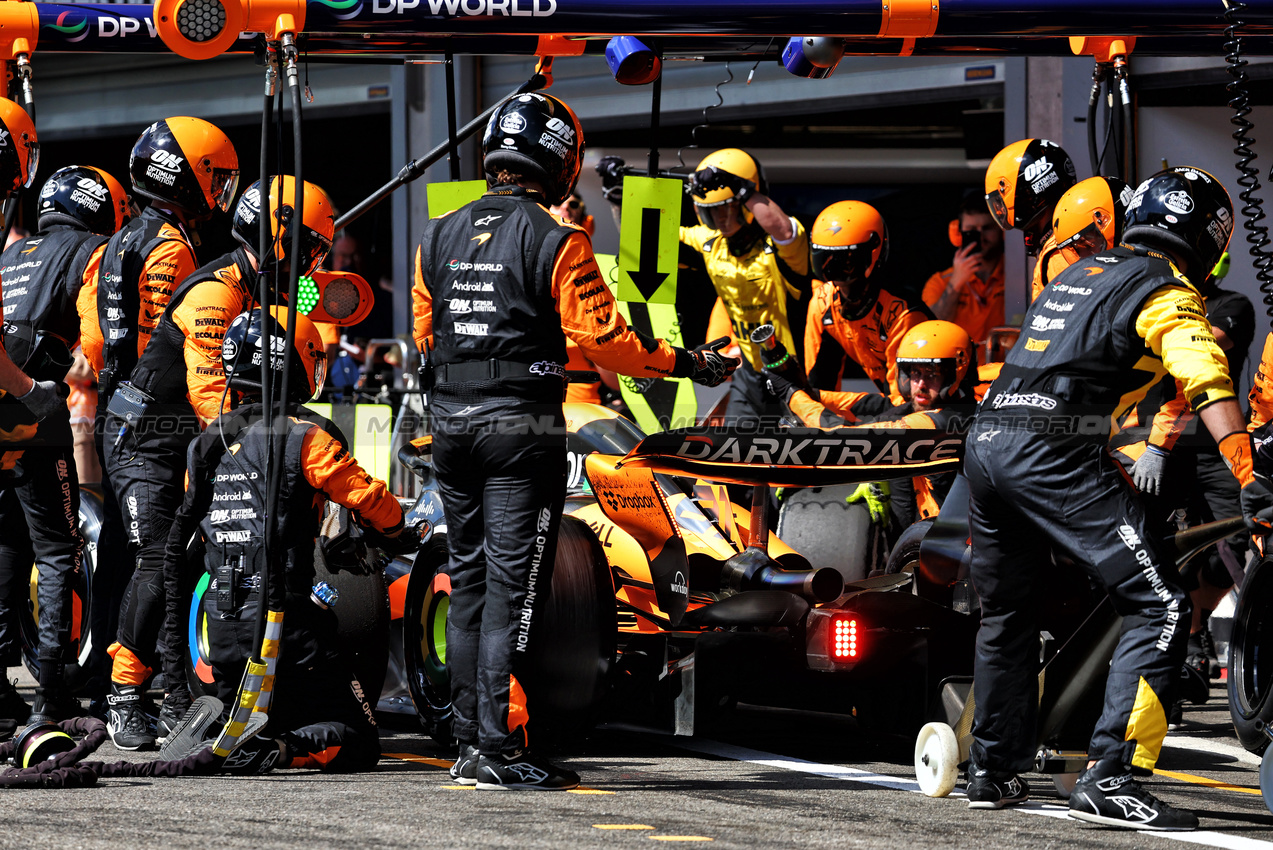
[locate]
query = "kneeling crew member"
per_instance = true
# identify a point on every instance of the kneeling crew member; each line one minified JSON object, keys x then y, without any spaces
{"x":1110,"y":327}
{"x":499,"y":285}
{"x":177,"y":387}
{"x":320,"y":716}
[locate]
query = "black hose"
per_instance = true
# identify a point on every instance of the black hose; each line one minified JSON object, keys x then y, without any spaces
{"x":1116,"y":127}
{"x":263,"y":297}
{"x":1257,"y":234}
{"x":1098,"y":74}
{"x":453,"y":145}
{"x":1129,"y":136}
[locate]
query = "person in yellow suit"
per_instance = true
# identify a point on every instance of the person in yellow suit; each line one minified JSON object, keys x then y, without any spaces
{"x":757,"y":257}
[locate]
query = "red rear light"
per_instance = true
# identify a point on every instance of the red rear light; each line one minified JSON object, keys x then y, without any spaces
{"x":845,"y":638}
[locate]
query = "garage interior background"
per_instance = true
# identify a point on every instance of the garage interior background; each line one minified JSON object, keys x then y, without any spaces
{"x":909,"y":135}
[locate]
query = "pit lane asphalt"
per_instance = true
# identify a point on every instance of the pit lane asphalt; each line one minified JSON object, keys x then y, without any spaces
{"x":771,"y":779}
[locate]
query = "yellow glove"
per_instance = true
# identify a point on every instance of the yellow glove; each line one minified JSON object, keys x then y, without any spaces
{"x":876,"y":494}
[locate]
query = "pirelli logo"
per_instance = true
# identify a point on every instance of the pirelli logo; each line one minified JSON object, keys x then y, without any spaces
{"x":1032,"y":344}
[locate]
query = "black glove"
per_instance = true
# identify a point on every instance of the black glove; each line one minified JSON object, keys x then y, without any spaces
{"x":779,"y":387}
{"x":403,"y":541}
{"x":44,"y":398}
{"x":707,"y":179}
{"x":1257,"y":505}
{"x":706,"y":365}
{"x":611,"y":169}
{"x":640,"y":385}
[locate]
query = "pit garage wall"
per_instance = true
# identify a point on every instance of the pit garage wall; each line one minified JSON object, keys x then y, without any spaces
{"x":1202,"y":136}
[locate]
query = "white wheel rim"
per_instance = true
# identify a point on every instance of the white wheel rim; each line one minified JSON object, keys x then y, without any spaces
{"x":936,"y":759}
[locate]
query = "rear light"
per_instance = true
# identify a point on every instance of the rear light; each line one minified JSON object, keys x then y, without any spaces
{"x":845,"y":638}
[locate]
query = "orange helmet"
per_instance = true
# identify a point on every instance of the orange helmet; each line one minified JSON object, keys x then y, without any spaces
{"x":20,"y":159}
{"x":318,"y":221}
{"x":1023,"y":183}
{"x":1089,"y":217}
{"x":849,"y":241}
{"x":187,"y":163}
{"x":935,"y":342}
{"x":711,"y":206}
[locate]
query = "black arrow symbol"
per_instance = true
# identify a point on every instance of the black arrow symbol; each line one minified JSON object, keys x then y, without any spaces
{"x":647,"y":278}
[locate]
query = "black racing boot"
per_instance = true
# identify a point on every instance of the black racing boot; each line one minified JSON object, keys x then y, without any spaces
{"x":1107,"y":793}
{"x":524,"y":772}
{"x":173,"y":710}
{"x":14,"y":710}
{"x":988,"y":789}
{"x":128,"y":725}
{"x":464,"y":771}
{"x":53,"y":705}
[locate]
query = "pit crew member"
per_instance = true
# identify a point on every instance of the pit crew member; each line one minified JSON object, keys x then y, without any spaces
{"x":851,"y":313}
{"x":80,"y":207}
{"x":970,"y":292}
{"x":320,"y":716}
{"x":177,"y":387}
{"x":1040,"y":476}
{"x":187,"y":168}
{"x":499,"y":286}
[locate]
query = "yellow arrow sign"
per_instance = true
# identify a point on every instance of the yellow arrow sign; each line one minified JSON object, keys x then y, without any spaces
{"x":649,"y":239}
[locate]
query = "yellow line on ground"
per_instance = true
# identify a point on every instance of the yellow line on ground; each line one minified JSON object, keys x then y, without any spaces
{"x":419,"y":759}
{"x":1202,"y":780}
{"x":459,"y":787}
{"x":621,"y":826}
{"x":585,"y":790}
{"x":679,"y":838}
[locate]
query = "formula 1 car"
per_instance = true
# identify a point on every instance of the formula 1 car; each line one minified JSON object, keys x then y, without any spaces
{"x":671,"y":602}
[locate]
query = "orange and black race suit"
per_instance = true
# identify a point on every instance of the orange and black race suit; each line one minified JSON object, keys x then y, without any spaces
{"x":1040,"y":475}
{"x":126,"y":287}
{"x":871,"y":341}
{"x":181,"y":375}
{"x":980,"y":306}
{"x":500,"y":285}
{"x":320,"y":709}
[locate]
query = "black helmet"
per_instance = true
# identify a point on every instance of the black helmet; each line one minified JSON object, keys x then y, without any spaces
{"x":187,"y":163}
{"x":318,"y":220}
{"x":241,"y":354}
{"x":1023,"y":183}
{"x":1185,"y":212}
{"x":538,"y":136}
{"x":86,"y":197}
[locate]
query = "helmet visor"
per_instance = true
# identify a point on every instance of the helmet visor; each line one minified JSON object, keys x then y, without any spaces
{"x":1088,"y":241}
{"x":847,"y":263}
{"x":33,"y":162}
{"x":320,"y":376}
{"x":225,"y":185}
{"x":998,"y":209}
{"x":719,"y":216}
{"x":938,"y":375}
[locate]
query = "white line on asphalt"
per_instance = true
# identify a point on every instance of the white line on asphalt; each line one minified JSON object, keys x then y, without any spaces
{"x":1051,"y":810}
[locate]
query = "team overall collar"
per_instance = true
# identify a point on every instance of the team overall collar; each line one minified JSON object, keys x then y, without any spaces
{"x":513,"y":191}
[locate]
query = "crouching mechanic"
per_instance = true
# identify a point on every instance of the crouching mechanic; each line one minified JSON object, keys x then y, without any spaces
{"x":499,"y":285}
{"x":936,"y":365}
{"x":176,"y":388}
{"x":1041,"y":476}
{"x":320,"y":716}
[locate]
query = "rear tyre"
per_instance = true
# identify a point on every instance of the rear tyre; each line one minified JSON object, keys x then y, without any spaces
{"x":574,"y":638}
{"x":818,"y":523}
{"x":76,"y":673}
{"x":1251,"y":658}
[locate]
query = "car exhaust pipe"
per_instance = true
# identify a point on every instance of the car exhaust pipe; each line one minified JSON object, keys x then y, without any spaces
{"x":752,"y":569}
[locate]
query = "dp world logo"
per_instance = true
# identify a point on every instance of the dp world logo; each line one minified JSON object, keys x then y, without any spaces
{"x":342,"y":10}
{"x":74,"y":32}
{"x":453,"y":265}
